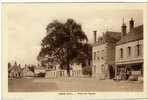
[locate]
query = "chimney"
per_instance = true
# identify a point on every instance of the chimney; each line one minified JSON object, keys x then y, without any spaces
{"x":95,"y":36}
{"x":131,"y":25}
{"x":123,"y":28}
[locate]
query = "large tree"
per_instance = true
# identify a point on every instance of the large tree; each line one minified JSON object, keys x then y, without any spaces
{"x":64,"y":43}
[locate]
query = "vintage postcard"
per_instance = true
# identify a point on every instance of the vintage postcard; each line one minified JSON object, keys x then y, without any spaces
{"x":68,"y":50}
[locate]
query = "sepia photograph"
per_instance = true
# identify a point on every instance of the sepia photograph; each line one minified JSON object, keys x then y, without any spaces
{"x":74,"y":47}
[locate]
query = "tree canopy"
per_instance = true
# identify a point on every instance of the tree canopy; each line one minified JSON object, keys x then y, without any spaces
{"x":65,"y":44}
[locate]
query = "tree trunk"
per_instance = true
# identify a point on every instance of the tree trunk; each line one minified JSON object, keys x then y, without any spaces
{"x":68,"y":65}
{"x":68,"y":70}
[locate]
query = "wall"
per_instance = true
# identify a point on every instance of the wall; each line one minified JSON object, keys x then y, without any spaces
{"x":133,"y":58}
{"x":99,"y":60}
{"x":110,"y":53}
{"x":56,"y":73}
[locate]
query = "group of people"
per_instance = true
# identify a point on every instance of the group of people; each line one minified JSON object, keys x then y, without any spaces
{"x":122,"y":75}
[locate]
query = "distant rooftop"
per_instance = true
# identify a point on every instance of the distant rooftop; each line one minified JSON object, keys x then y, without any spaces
{"x":137,"y":34}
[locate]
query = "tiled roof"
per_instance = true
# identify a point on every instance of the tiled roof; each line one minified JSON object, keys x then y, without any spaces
{"x":137,"y":34}
{"x":10,"y":68}
{"x":14,"y":67}
{"x":112,"y":36}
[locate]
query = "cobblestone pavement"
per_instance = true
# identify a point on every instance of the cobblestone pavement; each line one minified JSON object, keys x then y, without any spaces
{"x":72,"y":85}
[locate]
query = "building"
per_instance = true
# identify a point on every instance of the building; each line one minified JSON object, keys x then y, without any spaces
{"x":27,"y":72}
{"x":129,"y":51}
{"x":15,"y":71}
{"x":56,"y":71}
{"x":53,"y":71}
{"x":103,"y":52}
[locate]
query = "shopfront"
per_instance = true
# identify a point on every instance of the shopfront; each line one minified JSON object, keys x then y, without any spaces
{"x":128,"y":71}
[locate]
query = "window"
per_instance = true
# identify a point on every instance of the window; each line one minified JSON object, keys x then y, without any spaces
{"x":103,"y":54}
{"x":98,"y":58}
{"x":138,"y":49}
{"x":121,"y":53}
{"x":129,"y":51}
{"x":141,"y":50}
{"x":102,"y":58}
{"x":98,"y":55}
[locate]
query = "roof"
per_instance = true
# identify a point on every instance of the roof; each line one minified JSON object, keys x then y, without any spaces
{"x":109,"y":37}
{"x":112,"y":36}
{"x":137,"y":34}
{"x":10,"y":68}
{"x":14,"y":67}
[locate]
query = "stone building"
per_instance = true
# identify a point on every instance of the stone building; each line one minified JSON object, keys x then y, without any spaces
{"x":15,"y":71}
{"x":129,"y":51}
{"x":104,"y":54}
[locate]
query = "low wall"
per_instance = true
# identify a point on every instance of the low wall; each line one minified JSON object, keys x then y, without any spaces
{"x":63,"y":73}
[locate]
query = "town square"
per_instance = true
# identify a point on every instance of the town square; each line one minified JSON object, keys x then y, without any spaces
{"x":51,"y":49}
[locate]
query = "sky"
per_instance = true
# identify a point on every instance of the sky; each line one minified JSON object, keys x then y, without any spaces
{"x":25,"y":24}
